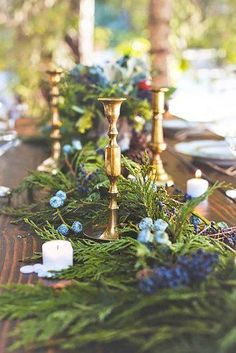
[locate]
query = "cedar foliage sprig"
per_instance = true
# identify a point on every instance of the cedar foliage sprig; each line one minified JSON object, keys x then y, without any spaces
{"x":91,"y":316}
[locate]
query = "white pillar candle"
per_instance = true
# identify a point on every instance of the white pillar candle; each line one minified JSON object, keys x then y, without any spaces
{"x":197,"y":186}
{"x":57,"y":255}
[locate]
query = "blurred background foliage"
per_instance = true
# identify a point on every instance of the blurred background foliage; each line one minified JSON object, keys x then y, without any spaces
{"x":35,"y":32}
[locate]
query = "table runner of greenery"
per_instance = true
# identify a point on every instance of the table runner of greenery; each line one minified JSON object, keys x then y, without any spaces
{"x":105,"y":300}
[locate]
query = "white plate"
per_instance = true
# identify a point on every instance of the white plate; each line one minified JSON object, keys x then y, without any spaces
{"x":207,"y":150}
{"x":179,"y":124}
{"x":224,"y":128}
{"x":4,"y":147}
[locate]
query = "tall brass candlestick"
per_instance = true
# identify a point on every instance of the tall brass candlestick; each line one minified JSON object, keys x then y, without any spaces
{"x":50,"y":165}
{"x":158,"y":145}
{"x":112,"y":165}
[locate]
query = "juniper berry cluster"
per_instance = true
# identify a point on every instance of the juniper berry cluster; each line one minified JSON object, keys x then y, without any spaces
{"x":58,"y":200}
{"x":75,"y":146}
{"x":153,"y":231}
{"x":64,"y":229}
{"x":229,"y":234}
{"x":231,"y":240}
{"x":187,"y":271}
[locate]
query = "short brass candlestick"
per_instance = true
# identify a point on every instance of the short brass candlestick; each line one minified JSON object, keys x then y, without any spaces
{"x":112,"y":165}
{"x":50,"y":165}
{"x":157,"y":145}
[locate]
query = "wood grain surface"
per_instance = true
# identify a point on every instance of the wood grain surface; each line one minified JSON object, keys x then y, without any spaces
{"x":14,"y":166}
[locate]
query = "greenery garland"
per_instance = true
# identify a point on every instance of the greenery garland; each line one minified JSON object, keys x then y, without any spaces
{"x":100,"y":304}
{"x":82,"y":114}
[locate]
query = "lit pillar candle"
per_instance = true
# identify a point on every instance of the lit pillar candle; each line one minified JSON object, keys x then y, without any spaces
{"x":57,"y":255}
{"x":197,"y":186}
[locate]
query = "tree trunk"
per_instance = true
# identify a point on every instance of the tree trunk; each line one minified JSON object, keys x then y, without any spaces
{"x":159,"y":30}
{"x":86,"y":31}
{"x":82,"y":41}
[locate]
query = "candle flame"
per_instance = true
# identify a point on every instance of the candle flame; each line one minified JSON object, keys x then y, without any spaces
{"x":198,"y":173}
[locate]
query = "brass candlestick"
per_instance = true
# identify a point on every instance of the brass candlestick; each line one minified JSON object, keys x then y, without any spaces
{"x":50,"y":165}
{"x":158,"y":145}
{"x":113,"y":167}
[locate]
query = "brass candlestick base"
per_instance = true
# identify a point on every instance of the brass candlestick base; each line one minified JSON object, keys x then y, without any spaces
{"x":159,"y":175}
{"x":50,"y":165}
{"x":113,"y":169}
{"x":157,"y":145}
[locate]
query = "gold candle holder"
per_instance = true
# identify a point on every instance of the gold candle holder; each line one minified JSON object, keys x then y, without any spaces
{"x":112,"y":166}
{"x":158,"y":145}
{"x":50,"y":165}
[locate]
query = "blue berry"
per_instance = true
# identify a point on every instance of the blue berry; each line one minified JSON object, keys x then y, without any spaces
{"x":222,"y":225}
{"x":100,"y":151}
{"x":162,"y":238}
{"x":196,"y":221}
{"x":56,"y":202}
{"x":146,"y":223}
{"x":231,"y":240}
{"x":187,"y":197}
{"x":63,"y":229}
{"x":61,"y":194}
{"x":160,"y":225}
{"x":77,"y":227}
{"x":77,"y":145}
{"x":147,"y":285}
{"x":67,"y":149}
{"x":145,"y":236}
{"x":188,"y":270}
{"x":199,"y":264}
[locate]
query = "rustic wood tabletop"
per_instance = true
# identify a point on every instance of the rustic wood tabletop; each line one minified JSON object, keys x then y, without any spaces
{"x":15,"y":165}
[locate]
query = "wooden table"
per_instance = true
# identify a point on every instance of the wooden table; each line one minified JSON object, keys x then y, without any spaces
{"x":14,"y":166}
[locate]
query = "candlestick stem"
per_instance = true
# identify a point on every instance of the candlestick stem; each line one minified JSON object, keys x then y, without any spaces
{"x":50,"y":165}
{"x":158,"y":145}
{"x":112,"y":165}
